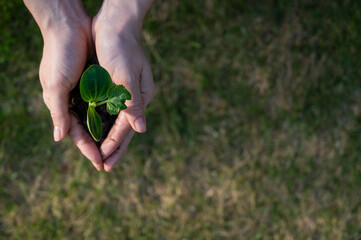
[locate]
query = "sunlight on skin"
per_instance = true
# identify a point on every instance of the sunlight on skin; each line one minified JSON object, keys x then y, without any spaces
{"x":119,"y":51}
{"x":85,"y":143}
{"x":116,"y":38}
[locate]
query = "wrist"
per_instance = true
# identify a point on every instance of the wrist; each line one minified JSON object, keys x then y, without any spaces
{"x":57,"y":15}
{"x":122,"y":16}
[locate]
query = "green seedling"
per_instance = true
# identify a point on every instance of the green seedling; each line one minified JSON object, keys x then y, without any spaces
{"x":97,"y":88}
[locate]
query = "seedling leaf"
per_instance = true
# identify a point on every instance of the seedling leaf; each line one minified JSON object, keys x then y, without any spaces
{"x":96,"y":88}
{"x":94,"y":123}
{"x":95,"y":83}
{"x":117,"y":95}
{"x":115,"y":104}
{"x":119,"y":91}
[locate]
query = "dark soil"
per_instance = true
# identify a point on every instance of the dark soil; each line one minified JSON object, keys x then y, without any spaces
{"x":80,"y":108}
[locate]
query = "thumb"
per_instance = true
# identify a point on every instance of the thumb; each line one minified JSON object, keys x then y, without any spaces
{"x":142,"y":95}
{"x":57,"y":103}
{"x":135,"y":107}
{"x":135,"y":112}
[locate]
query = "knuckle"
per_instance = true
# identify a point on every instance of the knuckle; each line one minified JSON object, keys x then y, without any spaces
{"x":54,"y":82}
{"x":55,"y":85}
{"x":135,"y":105}
{"x":122,"y":75}
{"x":46,"y":99}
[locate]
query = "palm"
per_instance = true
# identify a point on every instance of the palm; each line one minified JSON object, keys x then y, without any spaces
{"x":125,"y":60}
{"x":64,"y":58}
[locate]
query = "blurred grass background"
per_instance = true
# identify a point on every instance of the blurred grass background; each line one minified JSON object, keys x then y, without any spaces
{"x":254,"y":133}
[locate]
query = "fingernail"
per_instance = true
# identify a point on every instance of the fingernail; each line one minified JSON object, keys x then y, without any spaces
{"x":99,"y":167}
{"x":140,"y":124}
{"x":57,"y":134}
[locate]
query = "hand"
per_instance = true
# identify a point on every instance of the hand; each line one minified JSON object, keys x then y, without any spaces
{"x":119,"y":50}
{"x":63,"y":60}
{"x":66,"y":30}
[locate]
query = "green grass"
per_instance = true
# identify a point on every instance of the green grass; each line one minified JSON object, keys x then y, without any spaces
{"x":254,"y":133}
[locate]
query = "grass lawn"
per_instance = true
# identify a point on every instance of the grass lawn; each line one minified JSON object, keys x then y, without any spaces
{"x":255,"y":132}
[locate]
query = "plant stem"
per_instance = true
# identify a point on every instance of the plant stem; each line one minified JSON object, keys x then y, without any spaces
{"x":101,"y":103}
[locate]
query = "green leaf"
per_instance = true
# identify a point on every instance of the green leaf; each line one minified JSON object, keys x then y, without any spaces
{"x":94,"y":84}
{"x":117,"y":95}
{"x":94,"y":123}
{"x":119,"y":91}
{"x":114,"y":105}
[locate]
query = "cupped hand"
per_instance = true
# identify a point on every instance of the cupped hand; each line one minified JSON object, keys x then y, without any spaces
{"x":119,"y":50}
{"x":67,"y":32}
{"x":65,"y":52}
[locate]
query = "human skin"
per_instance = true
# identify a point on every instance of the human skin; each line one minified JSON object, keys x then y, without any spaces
{"x":116,"y":31}
{"x":67,"y":31}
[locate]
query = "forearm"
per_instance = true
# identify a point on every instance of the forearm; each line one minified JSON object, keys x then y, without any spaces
{"x":124,"y":15}
{"x":57,"y":14}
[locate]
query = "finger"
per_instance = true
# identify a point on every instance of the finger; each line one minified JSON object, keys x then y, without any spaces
{"x":116,"y":135}
{"x":57,"y":102}
{"x":135,"y":106}
{"x":135,"y":114}
{"x":147,"y":86}
{"x":85,"y":143}
{"x":114,"y":158}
